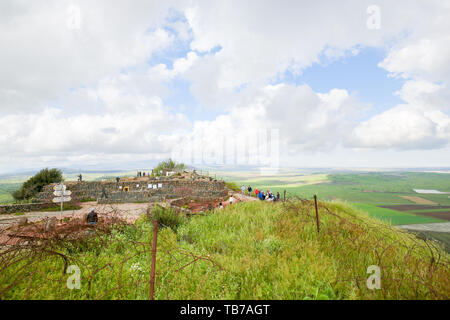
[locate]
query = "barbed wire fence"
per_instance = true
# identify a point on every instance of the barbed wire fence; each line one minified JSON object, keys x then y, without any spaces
{"x":426,"y":255}
{"x":29,"y":255}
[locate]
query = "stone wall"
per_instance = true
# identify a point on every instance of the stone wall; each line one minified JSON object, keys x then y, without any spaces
{"x":27,"y":207}
{"x":142,"y":190}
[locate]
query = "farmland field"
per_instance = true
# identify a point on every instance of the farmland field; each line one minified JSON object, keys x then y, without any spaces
{"x":367,"y":191}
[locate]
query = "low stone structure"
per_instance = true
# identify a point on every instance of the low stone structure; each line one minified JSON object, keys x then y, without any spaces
{"x":26,"y":207}
{"x":143,"y":189}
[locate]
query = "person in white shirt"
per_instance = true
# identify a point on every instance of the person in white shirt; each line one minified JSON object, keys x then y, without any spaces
{"x":231,"y":199}
{"x":243,"y":189}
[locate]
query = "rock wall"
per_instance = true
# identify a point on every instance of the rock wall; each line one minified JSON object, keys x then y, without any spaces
{"x":142,"y":190}
{"x":27,"y":207}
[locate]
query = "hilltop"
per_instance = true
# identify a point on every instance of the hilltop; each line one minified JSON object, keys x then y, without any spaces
{"x":252,"y":250}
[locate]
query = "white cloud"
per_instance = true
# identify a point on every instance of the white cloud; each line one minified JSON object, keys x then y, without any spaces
{"x":427,"y":58}
{"x":260,"y":40}
{"x":305,"y":121}
{"x":404,"y":127}
{"x":52,"y":133}
{"x":94,"y":86}
{"x":41,"y":57}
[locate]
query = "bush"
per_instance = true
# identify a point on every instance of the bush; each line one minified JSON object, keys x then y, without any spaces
{"x":35,"y":184}
{"x":168,"y":165}
{"x":233,"y":186}
{"x":167,"y":217}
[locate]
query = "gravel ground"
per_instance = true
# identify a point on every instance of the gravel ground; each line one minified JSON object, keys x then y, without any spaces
{"x":129,"y":211}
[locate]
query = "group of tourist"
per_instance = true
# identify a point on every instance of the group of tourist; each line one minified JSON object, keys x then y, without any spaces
{"x":268,"y":195}
{"x":142,"y":174}
{"x":261,"y":195}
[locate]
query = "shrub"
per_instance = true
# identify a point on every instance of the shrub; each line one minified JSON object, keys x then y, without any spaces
{"x":233,"y":186}
{"x":167,"y":217}
{"x":35,"y":184}
{"x":168,"y":165}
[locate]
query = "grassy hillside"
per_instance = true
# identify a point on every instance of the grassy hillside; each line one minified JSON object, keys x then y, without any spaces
{"x":371,"y":189}
{"x":253,"y":250}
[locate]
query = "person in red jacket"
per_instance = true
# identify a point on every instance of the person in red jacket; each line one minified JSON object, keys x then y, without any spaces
{"x":256,"y":192}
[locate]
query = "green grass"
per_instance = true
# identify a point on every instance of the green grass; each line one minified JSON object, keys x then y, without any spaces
{"x":394,"y":217}
{"x":442,"y":237}
{"x":5,"y":191}
{"x":233,"y":186}
{"x":251,"y":250}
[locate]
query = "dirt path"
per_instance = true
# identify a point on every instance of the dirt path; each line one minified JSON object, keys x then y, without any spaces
{"x":242,"y":197}
{"x":129,"y":211}
{"x":437,"y":227}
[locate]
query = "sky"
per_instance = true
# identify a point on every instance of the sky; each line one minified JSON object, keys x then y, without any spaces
{"x":114,"y":84}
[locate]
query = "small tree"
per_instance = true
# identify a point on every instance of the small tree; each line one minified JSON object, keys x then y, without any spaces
{"x":168,"y":165}
{"x":35,"y":184}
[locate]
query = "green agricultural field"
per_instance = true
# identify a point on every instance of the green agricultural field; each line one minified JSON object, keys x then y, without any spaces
{"x":394,"y":217}
{"x":374,"y":188}
{"x":371,"y":189}
{"x":5,"y":191}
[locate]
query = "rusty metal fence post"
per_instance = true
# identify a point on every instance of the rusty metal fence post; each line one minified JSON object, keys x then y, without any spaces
{"x":317,"y":214}
{"x":152,"y":274}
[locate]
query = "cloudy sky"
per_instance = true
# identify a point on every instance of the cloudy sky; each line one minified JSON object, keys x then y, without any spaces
{"x":335,"y":83}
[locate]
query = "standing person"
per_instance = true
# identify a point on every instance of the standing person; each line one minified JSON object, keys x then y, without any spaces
{"x":243,"y":189}
{"x":231,"y":199}
{"x":278,"y":196}
{"x":256,"y":192}
{"x":249,"y":189}
{"x":104,"y":193}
